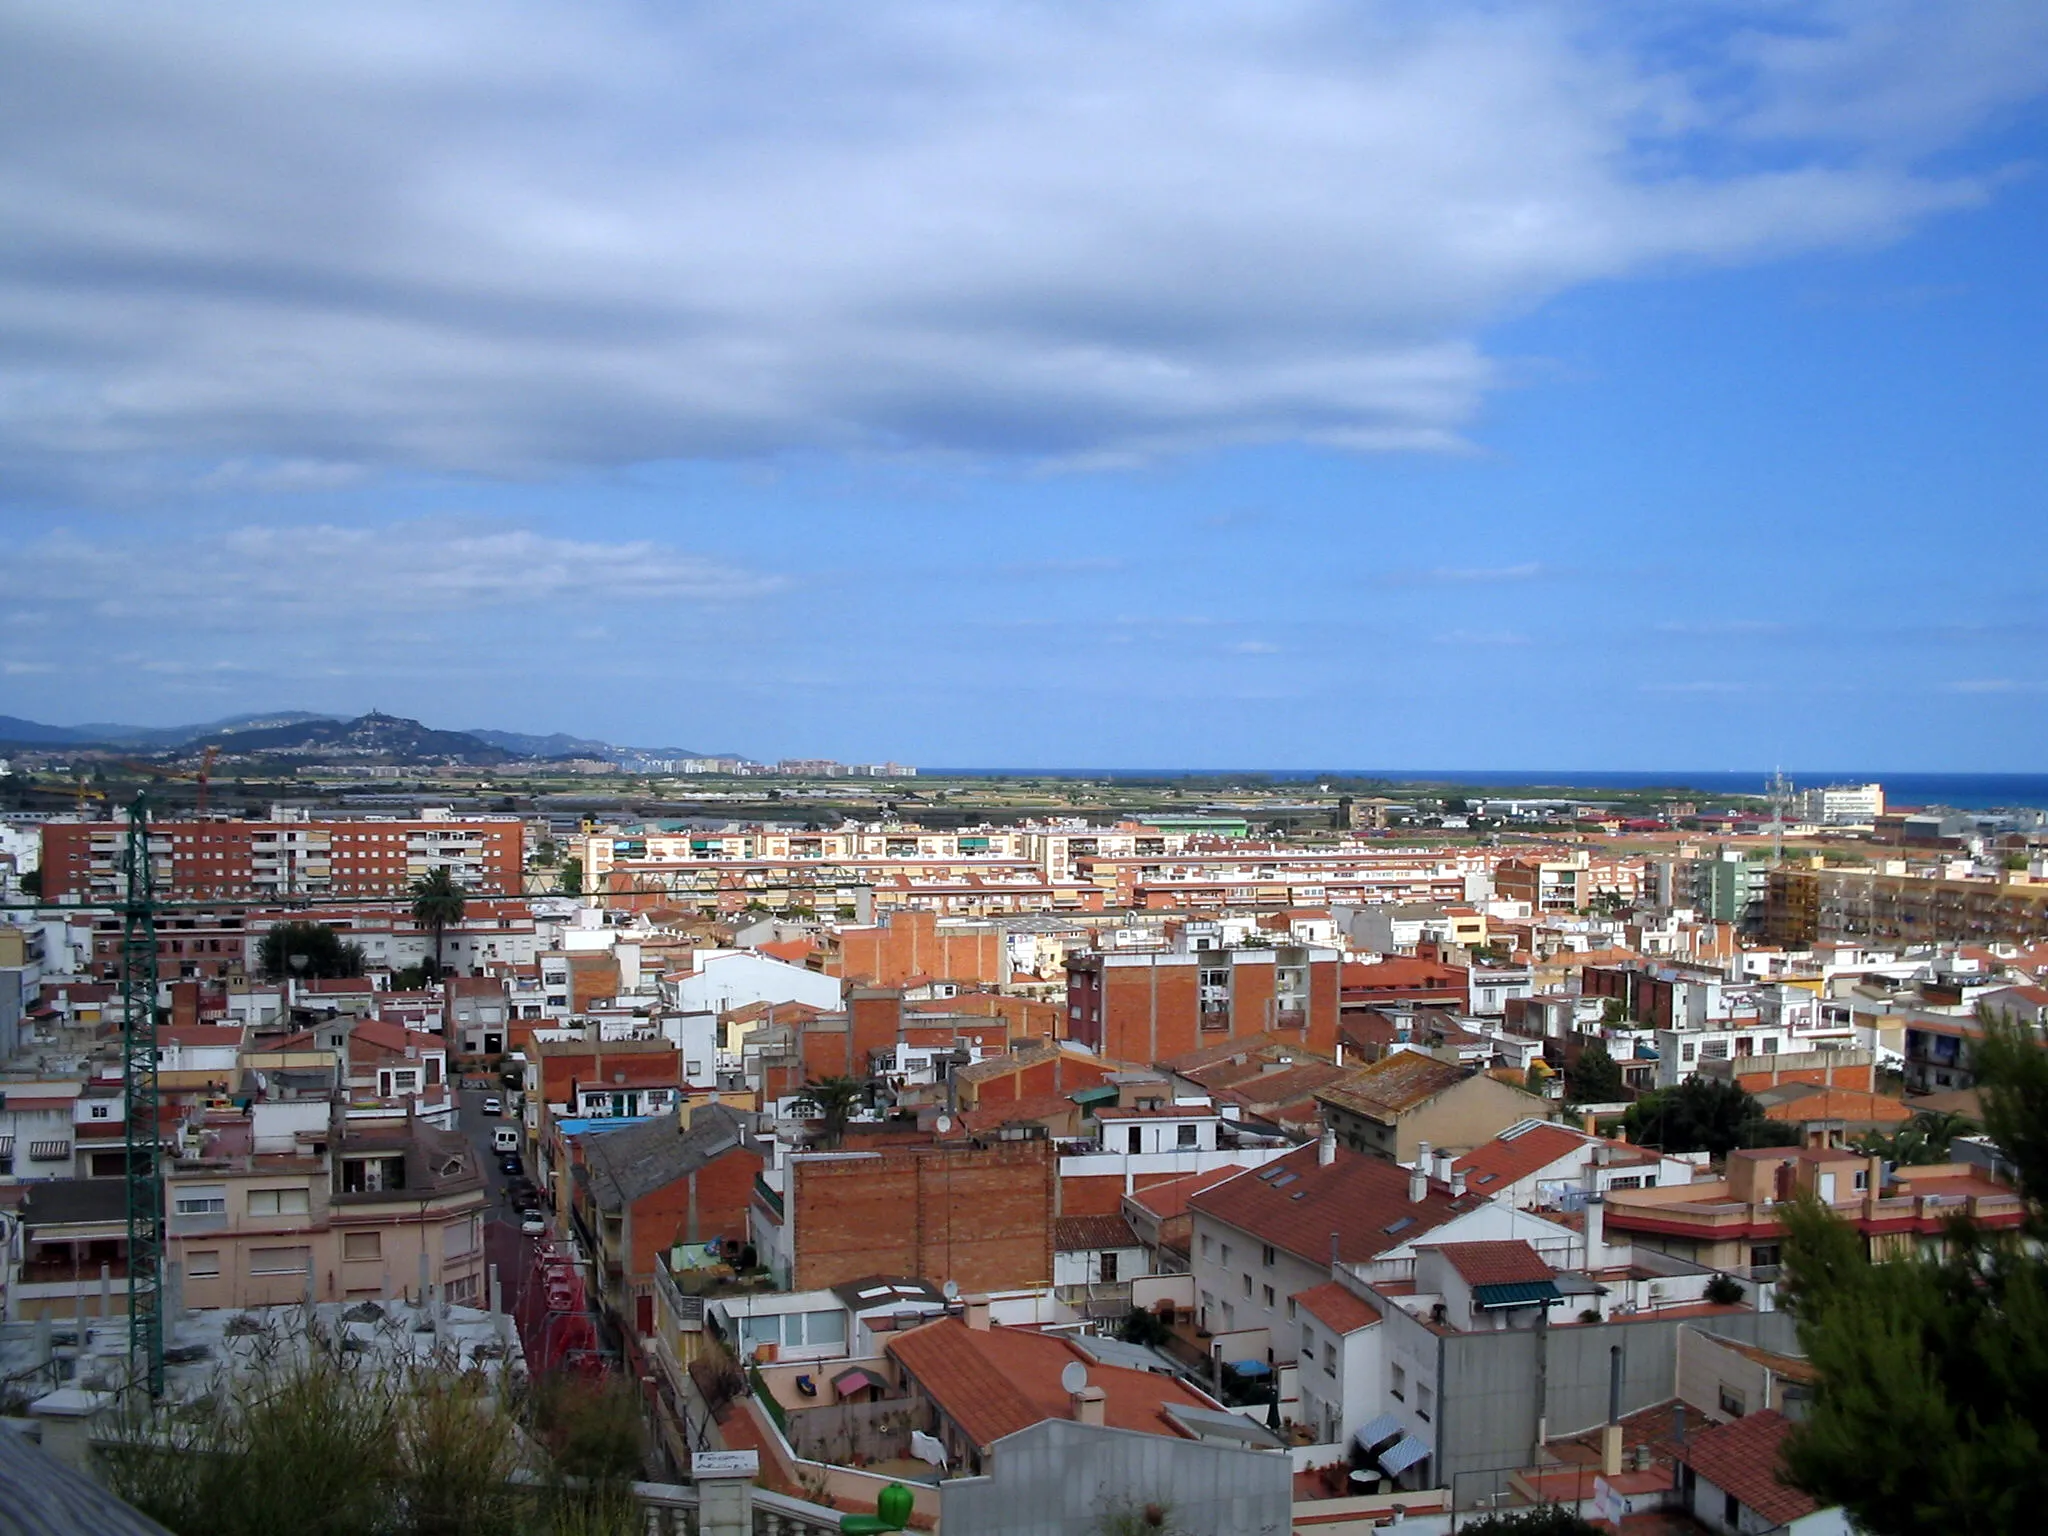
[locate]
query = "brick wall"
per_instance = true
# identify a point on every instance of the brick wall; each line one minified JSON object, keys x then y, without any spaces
{"x":980,"y":1216}
{"x":712,"y":1202}
{"x":912,"y":943}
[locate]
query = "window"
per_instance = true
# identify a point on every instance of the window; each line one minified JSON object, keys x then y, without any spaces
{"x":1329,"y":1359}
{"x":1266,"y":1256}
{"x":1290,"y":1309}
{"x":1398,"y":1390}
{"x":1108,"y":1269}
{"x":1136,"y":1138}
{"x":1308,"y":1341}
{"x":1226,"y":1255}
{"x":277,"y":1202}
{"x":1269,"y":1298}
{"x":1247,"y":1285}
{"x":1687,"y":1051}
{"x":99,"y":1111}
{"x":358,"y":1246}
{"x":1206,"y":1245}
{"x":211,"y":1201}
{"x":279,"y":1261}
{"x":1424,"y":1399}
{"x":202,"y":1263}
{"x":1732,"y":1402}
{"x":1185,"y":1135}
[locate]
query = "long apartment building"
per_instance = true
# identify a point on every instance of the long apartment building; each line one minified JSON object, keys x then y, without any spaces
{"x":1151,"y":1007}
{"x":1277,"y":875}
{"x":285,"y":858}
{"x":1805,"y":906}
{"x":220,"y":942}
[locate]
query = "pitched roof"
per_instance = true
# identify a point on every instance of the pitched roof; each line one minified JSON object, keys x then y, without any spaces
{"x":991,"y":1067}
{"x":1743,"y":1458}
{"x":997,"y":1381}
{"x":1509,"y":1262}
{"x":1364,"y":1200}
{"x":639,"y":1159}
{"x":1515,"y":1154}
{"x":1337,"y":1308}
{"x":1799,"y":1102}
{"x":1248,"y":1048}
{"x":1170,"y":1197}
{"x":1076,"y":1234}
{"x":1293,"y":1084}
{"x":1392,"y":1085}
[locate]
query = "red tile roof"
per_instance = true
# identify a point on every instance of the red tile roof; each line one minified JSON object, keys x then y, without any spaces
{"x":1077,"y":1234}
{"x":1170,"y":1198}
{"x":1337,"y":1308}
{"x":1392,"y":1085}
{"x":1364,"y":1200}
{"x":1494,"y":1165}
{"x":1743,"y":1458}
{"x":1497,"y":1263}
{"x":995,"y":1382}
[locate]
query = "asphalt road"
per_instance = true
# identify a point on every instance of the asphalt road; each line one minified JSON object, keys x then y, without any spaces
{"x":503,"y":1242}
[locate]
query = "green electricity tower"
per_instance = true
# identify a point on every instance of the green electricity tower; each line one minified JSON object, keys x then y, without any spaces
{"x":139,"y":1088}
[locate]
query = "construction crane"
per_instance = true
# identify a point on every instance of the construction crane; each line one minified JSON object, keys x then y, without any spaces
{"x":204,"y":773}
{"x":139,"y":1087}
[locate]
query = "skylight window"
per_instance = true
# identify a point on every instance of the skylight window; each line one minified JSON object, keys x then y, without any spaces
{"x":1398,"y":1225}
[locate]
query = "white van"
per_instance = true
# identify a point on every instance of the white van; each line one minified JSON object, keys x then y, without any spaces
{"x":505,"y":1138}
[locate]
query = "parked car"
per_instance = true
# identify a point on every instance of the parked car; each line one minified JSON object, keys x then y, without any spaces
{"x":494,"y":1106}
{"x":509,"y":1164}
{"x":533,"y":1224}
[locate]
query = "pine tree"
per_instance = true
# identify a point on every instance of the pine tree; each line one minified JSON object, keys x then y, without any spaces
{"x":1930,"y":1412}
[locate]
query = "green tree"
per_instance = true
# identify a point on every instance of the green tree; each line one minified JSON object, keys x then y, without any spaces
{"x":1595,"y":1078}
{"x":32,"y":882}
{"x":1702,"y":1114}
{"x":438,"y":899}
{"x":1930,"y":1411}
{"x":1612,"y":1013}
{"x":324,"y":952}
{"x":1923,"y":1139}
{"x":570,"y":880}
{"x":835,"y":1099}
{"x":1537,"y":1520}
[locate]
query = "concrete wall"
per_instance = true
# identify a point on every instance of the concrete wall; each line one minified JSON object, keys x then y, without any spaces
{"x":1058,"y":1477}
{"x":1488,"y":1406}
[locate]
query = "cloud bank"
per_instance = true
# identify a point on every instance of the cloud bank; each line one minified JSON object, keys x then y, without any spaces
{"x":292,"y":245}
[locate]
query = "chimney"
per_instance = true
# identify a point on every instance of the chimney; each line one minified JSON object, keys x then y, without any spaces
{"x":975,"y":1312}
{"x":1596,"y":1223}
{"x":1326,"y":1148}
{"x":1586,"y":1123}
{"x":1418,"y":1182}
{"x":1088,"y":1405}
{"x":1457,"y":1182}
{"x":1443,"y":1165}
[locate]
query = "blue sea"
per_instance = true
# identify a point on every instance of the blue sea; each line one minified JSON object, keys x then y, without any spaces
{"x":1963,"y":791}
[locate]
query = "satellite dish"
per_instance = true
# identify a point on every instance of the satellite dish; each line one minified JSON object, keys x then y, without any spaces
{"x":950,"y":1290}
{"x":1075,"y":1376}
{"x":943,"y":1124}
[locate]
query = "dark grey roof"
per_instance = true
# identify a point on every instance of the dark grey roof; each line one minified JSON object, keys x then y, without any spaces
{"x":639,"y":1159}
{"x":47,"y":1498}
{"x":901,"y":1290}
{"x":61,"y":1202}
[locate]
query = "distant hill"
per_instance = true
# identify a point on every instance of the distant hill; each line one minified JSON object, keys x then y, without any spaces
{"x":154,"y":738}
{"x":372,"y":735}
{"x":557,"y":745}
{"x":297,"y":730}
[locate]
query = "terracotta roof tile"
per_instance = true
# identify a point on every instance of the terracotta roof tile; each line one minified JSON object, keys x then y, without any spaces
{"x":1744,"y":1458}
{"x":1492,"y":1166}
{"x":1337,"y":1308}
{"x":1496,"y":1263}
{"x":1076,"y":1234}
{"x":995,"y":1382}
{"x":1364,"y":1200}
{"x":1170,"y":1198}
{"x":1393,"y":1084}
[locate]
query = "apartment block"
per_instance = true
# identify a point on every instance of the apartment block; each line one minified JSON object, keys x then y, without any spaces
{"x":1149,"y":1007}
{"x":285,"y":857}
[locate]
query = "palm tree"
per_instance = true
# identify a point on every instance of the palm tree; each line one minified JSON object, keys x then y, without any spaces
{"x":835,"y":1099}
{"x":438,"y":899}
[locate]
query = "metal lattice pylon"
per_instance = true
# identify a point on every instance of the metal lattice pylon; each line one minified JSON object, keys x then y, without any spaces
{"x":140,"y":1095}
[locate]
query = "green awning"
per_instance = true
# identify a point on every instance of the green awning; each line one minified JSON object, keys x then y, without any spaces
{"x":1104,"y":1093}
{"x":1520,"y":1293}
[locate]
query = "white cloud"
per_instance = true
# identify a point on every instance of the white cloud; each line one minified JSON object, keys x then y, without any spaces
{"x":1480,"y":637}
{"x":1254,"y":648}
{"x":419,"y":570}
{"x":290,"y":242}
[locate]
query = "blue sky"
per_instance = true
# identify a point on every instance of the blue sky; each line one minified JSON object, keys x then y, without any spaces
{"x":1298,"y":385}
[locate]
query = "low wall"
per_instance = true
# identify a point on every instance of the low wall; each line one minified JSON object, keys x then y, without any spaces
{"x":853,"y":1433}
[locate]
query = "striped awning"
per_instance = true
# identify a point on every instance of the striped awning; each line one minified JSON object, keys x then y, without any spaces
{"x":1403,"y":1454}
{"x":48,"y":1151}
{"x":6,"y":1146}
{"x":1372,"y":1436}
